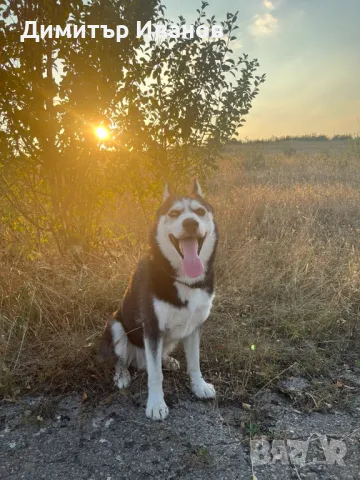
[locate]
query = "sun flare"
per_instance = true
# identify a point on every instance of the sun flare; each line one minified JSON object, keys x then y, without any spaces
{"x":102,"y":132}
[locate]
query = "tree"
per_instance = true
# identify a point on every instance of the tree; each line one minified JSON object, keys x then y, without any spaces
{"x":171,"y":104}
{"x":193,"y":99}
{"x":53,"y":92}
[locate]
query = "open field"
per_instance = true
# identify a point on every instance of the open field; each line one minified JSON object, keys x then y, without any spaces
{"x":288,"y":281}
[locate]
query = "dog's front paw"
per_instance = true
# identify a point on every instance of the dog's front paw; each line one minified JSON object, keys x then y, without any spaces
{"x":157,"y":410}
{"x":203,"y":389}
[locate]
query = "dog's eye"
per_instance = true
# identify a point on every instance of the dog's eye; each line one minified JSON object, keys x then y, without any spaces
{"x":174,"y":213}
{"x":200,"y":212}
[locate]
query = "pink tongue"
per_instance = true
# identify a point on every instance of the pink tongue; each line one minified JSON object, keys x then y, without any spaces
{"x":191,"y":263}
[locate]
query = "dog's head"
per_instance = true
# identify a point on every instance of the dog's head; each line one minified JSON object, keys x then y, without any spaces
{"x":186,"y":233}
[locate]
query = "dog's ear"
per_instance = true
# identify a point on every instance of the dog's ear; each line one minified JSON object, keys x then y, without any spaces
{"x":196,"y":188}
{"x":167,"y":192}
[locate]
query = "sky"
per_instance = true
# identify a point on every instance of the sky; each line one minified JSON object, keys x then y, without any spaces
{"x":310,"y":52}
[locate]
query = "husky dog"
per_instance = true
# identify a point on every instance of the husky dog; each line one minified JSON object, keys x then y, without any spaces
{"x":168,"y":299}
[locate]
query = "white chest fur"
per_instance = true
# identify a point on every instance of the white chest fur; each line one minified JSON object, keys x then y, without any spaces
{"x":178,"y":323}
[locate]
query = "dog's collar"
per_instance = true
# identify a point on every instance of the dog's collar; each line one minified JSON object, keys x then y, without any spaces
{"x":193,"y":285}
{"x":199,"y":284}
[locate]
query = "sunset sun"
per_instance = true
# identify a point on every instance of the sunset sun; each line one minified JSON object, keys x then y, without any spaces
{"x":102,"y":132}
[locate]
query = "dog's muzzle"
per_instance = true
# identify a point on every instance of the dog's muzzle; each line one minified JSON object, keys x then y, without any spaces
{"x":176,"y":242}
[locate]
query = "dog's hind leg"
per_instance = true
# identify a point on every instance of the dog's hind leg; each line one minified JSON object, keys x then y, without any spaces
{"x":122,"y":376}
{"x":170,"y":363}
{"x":122,"y":350}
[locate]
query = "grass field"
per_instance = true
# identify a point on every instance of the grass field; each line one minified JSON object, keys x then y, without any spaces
{"x":287,"y":269}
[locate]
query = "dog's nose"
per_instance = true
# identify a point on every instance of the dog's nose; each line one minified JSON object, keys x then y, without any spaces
{"x":190,"y":225}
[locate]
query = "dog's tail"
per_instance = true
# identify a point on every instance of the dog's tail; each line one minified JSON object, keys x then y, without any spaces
{"x":106,"y":346}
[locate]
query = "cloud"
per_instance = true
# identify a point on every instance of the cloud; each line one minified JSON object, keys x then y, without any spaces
{"x":265,"y":24}
{"x":269,"y":5}
{"x":236,"y":44}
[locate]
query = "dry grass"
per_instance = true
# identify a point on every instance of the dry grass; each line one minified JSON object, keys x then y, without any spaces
{"x":288,"y":282}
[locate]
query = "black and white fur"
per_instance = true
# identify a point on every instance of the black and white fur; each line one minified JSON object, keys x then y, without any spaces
{"x":162,"y":306}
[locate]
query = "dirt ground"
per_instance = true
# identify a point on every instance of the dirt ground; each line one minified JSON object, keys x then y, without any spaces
{"x":69,"y":438}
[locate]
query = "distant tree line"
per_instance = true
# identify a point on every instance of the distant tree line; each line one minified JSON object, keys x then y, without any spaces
{"x":306,"y":138}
